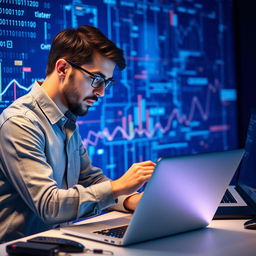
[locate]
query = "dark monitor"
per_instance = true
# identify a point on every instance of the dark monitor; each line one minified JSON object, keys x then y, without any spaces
{"x":247,"y":172}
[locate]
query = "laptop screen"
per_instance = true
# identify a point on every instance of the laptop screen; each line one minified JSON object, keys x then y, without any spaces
{"x":247,"y":175}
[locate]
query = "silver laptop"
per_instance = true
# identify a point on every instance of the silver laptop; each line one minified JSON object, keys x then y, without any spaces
{"x":239,"y":200}
{"x":183,"y":194}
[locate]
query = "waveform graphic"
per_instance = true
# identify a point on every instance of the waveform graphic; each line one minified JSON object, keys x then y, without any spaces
{"x":129,"y":132}
{"x":15,"y":84}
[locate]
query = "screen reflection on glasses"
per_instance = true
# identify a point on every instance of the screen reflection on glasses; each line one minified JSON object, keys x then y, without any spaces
{"x":97,"y":79}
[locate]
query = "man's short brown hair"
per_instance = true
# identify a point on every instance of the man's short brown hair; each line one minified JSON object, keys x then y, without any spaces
{"x":77,"y":45}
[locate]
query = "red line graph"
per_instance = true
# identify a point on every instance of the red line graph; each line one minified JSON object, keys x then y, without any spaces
{"x":125,"y":131}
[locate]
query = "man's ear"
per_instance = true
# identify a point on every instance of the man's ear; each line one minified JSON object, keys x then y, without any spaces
{"x":61,"y":68}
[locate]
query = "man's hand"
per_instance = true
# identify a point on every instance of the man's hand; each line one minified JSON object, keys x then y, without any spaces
{"x":133,"y":179}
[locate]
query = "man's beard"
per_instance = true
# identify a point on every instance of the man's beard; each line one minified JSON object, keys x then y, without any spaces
{"x":77,"y":109}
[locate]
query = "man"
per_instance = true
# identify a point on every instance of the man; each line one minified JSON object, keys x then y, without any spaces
{"x":46,"y":177}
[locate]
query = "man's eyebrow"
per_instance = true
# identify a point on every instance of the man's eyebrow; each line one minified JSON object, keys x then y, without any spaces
{"x":99,"y":73}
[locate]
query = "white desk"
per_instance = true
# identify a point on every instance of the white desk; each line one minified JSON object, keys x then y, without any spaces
{"x":220,"y":238}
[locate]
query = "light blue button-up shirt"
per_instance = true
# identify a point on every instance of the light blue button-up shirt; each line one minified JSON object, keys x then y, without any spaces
{"x":46,"y":177}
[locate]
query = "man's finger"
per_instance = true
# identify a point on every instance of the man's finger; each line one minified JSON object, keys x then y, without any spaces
{"x":147,"y":163}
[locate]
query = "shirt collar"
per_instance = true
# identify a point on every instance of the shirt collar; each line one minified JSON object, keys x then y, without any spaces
{"x":47,"y":105}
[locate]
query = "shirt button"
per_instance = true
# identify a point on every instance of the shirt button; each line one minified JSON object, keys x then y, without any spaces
{"x":63,"y":119}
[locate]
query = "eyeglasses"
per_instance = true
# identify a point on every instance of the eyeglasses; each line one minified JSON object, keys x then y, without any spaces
{"x":97,"y":79}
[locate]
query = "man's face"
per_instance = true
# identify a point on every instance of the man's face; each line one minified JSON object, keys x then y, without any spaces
{"x":78,"y":93}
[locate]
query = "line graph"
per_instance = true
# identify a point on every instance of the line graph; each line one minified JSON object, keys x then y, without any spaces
{"x":129,"y":132}
{"x":183,"y":33}
{"x":15,"y":84}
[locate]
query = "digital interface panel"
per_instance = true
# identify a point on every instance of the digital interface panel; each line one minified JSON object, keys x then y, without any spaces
{"x":178,"y":93}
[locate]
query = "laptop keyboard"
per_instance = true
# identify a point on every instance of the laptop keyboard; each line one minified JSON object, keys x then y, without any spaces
{"x":117,"y":232}
{"x":228,"y":198}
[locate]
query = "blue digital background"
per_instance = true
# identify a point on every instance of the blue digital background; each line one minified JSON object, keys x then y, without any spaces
{"x":178,"y":93}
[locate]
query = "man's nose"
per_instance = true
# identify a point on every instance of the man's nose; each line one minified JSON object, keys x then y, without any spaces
{"x":99,"y":92}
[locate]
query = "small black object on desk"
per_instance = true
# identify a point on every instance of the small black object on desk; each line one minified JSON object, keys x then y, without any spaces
{"x":32,"y":249}
{"x":65,"y":245}
{"x":250,"y":224}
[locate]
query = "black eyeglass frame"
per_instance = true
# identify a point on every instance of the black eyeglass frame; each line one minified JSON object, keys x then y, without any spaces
{"x":95,"y":77}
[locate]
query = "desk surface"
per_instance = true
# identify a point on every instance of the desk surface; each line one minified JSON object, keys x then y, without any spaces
{"x":221,"y":237}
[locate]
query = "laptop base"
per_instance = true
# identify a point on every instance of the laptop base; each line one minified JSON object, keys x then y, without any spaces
{"x":234,"y":212}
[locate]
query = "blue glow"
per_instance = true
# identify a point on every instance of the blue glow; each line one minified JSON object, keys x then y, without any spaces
{"x":228,"y":95}
{"x":180,"y":61}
